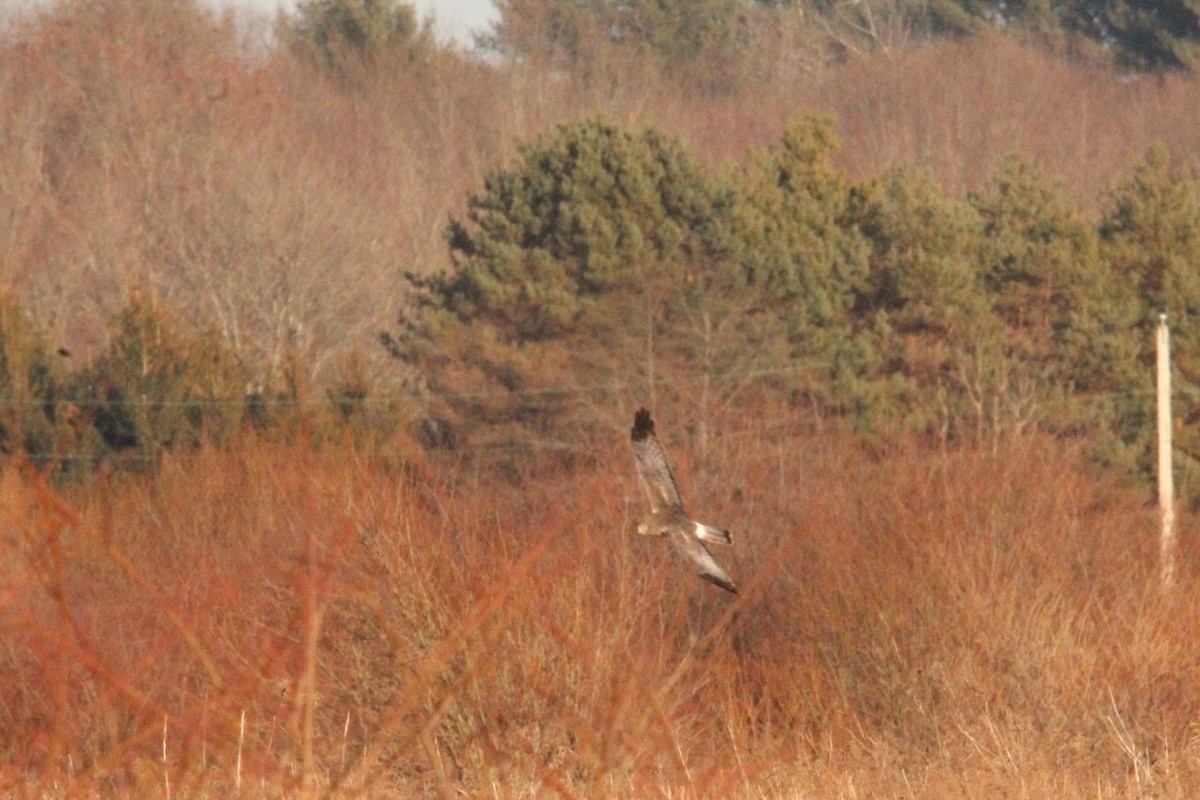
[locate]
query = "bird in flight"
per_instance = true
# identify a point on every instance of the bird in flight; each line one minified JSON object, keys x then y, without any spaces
{"x":667,"y":516}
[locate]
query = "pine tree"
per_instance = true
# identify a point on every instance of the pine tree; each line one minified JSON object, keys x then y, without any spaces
{"x":1151,"y":238}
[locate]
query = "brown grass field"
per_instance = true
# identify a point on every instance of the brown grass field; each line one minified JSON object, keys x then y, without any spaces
{"x":283,"y":621}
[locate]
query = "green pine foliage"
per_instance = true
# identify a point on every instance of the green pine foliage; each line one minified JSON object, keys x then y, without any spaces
{"x":162,"y":386}
{"x":581,"y":264}
{"x":159,"y":386}
{"x":712,"y":42}
{"x":921,"y":320}
{"x":1151,"y":35}
{"x":32,"y":407}
{"x":606,"y":267}
{"x":703,"y":43}
{"x":1151,"y":237}
{"x":793,"y":241}
{"x":1062,"y":318}
{"x":346,"y":37}
{"x":590,"y":211}
{"x":800,"y":258}
{"x":609,"y":260}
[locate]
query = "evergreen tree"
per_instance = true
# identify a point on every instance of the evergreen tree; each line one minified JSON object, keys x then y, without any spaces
{"x":698,"y":42}
{"x":1150,"y":34}
{"x":160,"y":387}
{"x":590,"y":210}
{"x":924,"y":325}
{"x":801,"y":259}
{"x":574,"y":265}
{"x":1151,"y":238}
{"x":1067,"y":324}
{"x":31,"y":396}
{"x":345,"y":36}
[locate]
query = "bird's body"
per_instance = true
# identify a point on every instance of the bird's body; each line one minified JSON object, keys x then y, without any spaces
{"x":667,"y":515}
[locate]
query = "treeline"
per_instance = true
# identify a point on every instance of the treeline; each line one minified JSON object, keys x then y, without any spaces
{"x":273,"y":180}
{"x":160,"y":385}
{"x":606,"y":266}
{"x":269,"y":188}
{"x":719,"y":44}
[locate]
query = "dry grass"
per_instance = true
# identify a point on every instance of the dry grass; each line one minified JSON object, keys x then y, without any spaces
{"x":911,"y":623}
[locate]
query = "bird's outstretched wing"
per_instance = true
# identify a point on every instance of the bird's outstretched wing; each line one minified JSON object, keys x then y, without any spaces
{"x":694,"y":551}
{"x":653,"y":469}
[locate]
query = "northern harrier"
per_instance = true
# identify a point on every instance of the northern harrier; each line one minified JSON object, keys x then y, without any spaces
{"x":667,"y":516}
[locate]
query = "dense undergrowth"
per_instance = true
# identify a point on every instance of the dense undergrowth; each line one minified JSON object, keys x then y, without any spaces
{"x":286,"y":619}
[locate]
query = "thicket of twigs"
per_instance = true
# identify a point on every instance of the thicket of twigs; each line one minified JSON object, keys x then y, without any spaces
{"x":276,"y":619}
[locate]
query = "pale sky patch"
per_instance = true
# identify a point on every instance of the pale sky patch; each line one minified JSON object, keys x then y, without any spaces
{"x":458,"y":20}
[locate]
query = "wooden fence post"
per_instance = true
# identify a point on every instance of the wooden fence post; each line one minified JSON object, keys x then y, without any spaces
{"x":1166,"y":484}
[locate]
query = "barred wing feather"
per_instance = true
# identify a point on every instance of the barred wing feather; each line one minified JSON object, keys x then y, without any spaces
{"x":653,"y":470}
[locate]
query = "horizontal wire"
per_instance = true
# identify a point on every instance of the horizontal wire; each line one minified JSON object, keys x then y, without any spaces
{"x":251,"y":399}
{"x":543,"y":391}
{"x":384,"y":398}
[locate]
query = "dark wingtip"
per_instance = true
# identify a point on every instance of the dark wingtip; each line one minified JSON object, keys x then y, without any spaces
{"x":643,"y":426}
{"x":726,"y":585}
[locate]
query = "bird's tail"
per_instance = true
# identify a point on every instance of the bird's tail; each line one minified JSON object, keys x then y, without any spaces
{"x":708,"y":533}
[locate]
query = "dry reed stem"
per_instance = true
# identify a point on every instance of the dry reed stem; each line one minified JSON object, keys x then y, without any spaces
{"x":913,"y":622}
